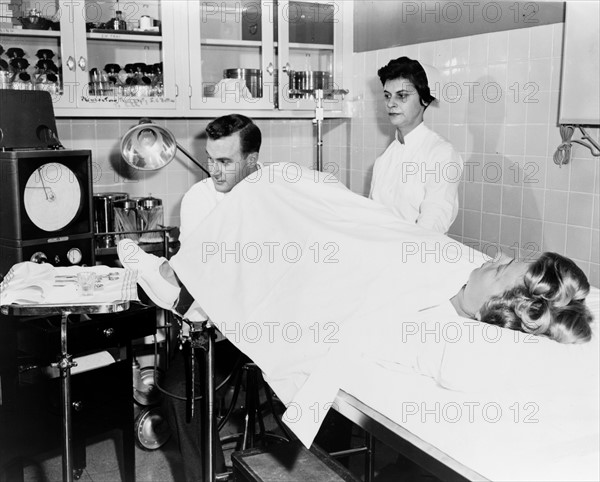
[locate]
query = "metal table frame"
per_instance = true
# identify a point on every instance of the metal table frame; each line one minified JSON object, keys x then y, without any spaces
{"x":65,"y":362}
{"x":403,"y":441}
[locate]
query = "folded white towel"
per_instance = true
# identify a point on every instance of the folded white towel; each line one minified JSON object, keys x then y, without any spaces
{"x":28,"y":283}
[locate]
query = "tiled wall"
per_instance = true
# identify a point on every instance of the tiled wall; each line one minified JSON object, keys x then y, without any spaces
{"x":499,"y":107}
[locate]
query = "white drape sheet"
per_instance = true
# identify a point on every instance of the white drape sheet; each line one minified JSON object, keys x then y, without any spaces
{"x":294,"y":269}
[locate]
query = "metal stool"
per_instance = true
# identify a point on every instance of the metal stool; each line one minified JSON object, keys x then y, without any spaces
{"x":252,"y":410}
{"x":202,"y":336}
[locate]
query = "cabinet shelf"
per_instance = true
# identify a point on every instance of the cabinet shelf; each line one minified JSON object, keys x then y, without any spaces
{"x":308,"y":46}
{"x":258,"y":43}
{"x":18,"y":32}
{"x":129,"y":37}
{"x":231,"y":43}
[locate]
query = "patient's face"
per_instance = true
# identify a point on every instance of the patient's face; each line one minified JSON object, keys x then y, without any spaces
{"x":226,"y":163}
{"x":492,"y":278}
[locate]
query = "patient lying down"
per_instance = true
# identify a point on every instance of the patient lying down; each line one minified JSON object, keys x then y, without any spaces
{"x":543,"y":297}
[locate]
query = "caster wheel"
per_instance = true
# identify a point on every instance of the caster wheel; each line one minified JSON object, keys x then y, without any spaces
{"x":151,"y":429}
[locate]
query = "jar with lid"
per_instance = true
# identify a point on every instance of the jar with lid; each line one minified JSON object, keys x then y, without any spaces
{"x":126,"y":219}
{"x":104,"y":218}
{"x":150,"y":213}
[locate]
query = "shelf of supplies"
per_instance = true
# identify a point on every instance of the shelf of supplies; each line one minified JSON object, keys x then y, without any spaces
{"x":20,"y":32}
{"x":130,"y":36}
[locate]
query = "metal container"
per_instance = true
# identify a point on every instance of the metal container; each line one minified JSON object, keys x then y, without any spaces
{"x":309,"y":80}
{"x":104,"y":216}
{"x":252,"y":77}
{"x":150,"y":215}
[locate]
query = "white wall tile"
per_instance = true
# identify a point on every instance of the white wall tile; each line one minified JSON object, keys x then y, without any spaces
{"x":498,"y":47}
{"x":541,"y":41}
{"x":579,"y":242}
{"x":580,"y":209}
{"x":518,"y":44}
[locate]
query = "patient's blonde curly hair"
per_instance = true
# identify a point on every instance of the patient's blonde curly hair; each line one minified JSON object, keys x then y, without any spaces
{"x":549,"y":302}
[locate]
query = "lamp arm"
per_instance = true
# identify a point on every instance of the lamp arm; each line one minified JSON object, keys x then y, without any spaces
{"x":191,"y":158}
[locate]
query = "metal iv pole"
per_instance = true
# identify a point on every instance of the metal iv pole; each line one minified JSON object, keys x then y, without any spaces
{"x":318,"y":95}
{"x":318,"y":120}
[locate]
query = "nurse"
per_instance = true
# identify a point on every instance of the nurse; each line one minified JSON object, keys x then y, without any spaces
{"x":417,"y":176}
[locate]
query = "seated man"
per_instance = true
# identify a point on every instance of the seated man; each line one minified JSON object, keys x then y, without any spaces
{"x":233,"y":144}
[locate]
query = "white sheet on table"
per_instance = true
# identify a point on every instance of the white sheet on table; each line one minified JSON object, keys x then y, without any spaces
{"x":517,"y":411}
{"x":349,"y":262}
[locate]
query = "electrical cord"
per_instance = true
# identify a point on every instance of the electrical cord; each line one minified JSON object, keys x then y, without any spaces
{"x":563,"y":152}
{"x":179,"y":397}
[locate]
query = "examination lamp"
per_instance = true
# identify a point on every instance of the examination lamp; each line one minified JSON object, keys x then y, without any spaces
{"x":148,"y":147}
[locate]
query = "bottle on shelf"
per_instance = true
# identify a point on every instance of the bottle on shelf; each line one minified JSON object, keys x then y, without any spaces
{"x":118,"y":23}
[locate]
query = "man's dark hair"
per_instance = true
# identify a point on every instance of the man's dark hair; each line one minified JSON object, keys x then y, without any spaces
{"x":410,"y":70}
{"x":250,"y":136}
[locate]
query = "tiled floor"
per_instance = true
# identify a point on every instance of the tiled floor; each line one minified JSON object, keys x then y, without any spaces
{"x":163,"y":465}
{"x":104,"y":461}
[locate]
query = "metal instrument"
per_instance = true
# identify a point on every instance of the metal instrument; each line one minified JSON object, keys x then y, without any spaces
{"x":149,"y":147}
{"x":318,"y":95}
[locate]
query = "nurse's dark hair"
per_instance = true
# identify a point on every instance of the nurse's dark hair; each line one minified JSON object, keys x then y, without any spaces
{"x":250,"y":136}
{"x":411,"y":70}
{"x":550,"y":302}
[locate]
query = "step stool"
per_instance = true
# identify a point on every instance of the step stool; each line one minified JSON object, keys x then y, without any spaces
{"x":288,"y":462}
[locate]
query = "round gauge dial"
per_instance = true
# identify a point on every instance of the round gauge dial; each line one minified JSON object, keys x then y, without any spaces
{"x":74,"y":256}
{"x":52,"y":196}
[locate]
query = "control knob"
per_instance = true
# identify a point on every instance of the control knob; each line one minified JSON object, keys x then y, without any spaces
{"x":39,"y":257}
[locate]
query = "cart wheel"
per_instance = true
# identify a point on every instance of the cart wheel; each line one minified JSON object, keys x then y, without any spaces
{"x":151,"y":429}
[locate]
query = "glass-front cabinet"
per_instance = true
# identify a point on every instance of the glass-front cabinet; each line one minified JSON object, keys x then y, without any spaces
{"x":96,"y":57}
{"x":267,"y":54}
{"x":123,"y":54}
{"x":185,"y":58}
{"x":310,"y":53}
{"x":232,"y":60}
{"x":32,"y":47}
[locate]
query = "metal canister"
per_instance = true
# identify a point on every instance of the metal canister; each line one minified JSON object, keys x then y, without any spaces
{"x":309,"y":80}
{"x":104,"y":216}
{"x":252,"y":78}
{"x":150,"y":215}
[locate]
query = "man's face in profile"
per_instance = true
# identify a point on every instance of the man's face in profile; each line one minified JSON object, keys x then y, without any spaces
{"x":227,"y":165}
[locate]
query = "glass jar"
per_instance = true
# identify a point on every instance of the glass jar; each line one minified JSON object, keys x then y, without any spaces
{"x":126,"y":219}
{"x":150,"y":214}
